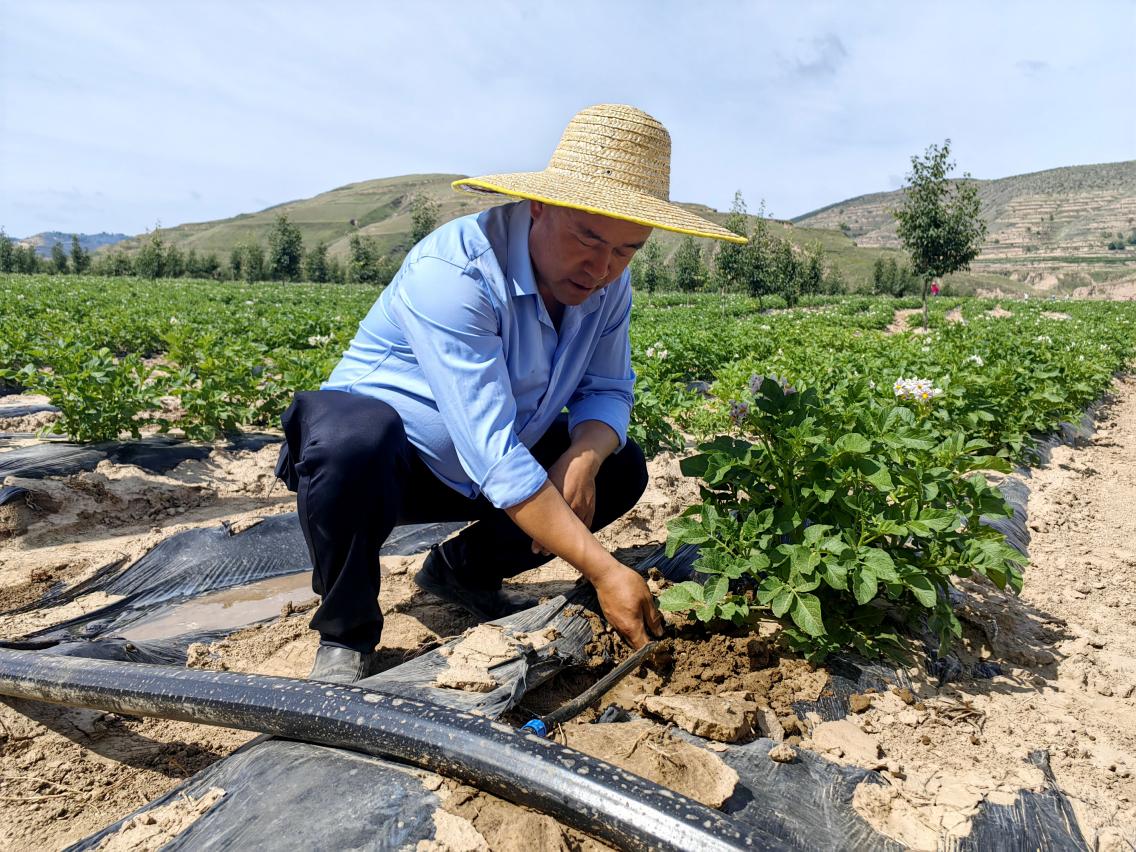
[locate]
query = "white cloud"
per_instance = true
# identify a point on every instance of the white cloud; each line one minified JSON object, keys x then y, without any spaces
{"x":803,"y":106}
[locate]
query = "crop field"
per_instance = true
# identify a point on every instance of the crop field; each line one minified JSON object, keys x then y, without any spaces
{"x":848,"y":489}
{"x":206,"y":358}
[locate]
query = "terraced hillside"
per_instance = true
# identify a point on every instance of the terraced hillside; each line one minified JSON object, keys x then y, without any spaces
{"x":1050,"y":229}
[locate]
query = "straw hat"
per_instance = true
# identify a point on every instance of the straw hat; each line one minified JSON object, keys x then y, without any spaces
{"x":613,"y":160}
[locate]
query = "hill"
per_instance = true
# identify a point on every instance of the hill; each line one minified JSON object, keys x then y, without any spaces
{"x":380,"y":209}
{"x":45,"y":241}
{"x":1048,"y":229}
{"x":373,"y":208}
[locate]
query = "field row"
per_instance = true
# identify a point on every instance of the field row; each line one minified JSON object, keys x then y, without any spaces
{"x":209,"y":358}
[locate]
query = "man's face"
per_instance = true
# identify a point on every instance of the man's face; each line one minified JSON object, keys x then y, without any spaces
{"x":575,"y":254}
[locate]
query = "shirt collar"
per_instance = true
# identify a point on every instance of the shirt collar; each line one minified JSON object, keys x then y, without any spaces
{"x":520,"y":262}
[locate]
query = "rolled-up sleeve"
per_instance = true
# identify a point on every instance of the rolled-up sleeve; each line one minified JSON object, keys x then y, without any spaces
{"x":450,"y":322}
{"x":605,"y":392}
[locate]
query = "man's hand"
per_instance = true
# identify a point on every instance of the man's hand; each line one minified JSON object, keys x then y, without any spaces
{"x":628,"y":605}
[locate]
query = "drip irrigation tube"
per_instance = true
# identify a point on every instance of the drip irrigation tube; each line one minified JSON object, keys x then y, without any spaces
{"x":581,"y":791}
{"x":571,"y":709}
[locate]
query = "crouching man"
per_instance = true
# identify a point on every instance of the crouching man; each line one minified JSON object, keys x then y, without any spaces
{"x":449,"y":404}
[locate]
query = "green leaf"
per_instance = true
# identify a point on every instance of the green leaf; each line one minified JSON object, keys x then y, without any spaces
{"x":755,"y":564}
{"x":879,"y":563}
{"x":681,"y":597}
{"x":756,"y":523}
{"x":806,"y":614}
{"x":709,"y":518}
{"x":835,"y":574}
{"x":715,"y":589}
{"x":684,"y":530}
{"x":922,"y":588}
{"x":938,"y":520}
{"x":815,"y":533}
{"x":864,"y":586}
{"x":875,"y":473}
{"x":706,"y":613}
{"x":889,"y":527}
{"x":854,"y":443}
{"x":782,"y":601}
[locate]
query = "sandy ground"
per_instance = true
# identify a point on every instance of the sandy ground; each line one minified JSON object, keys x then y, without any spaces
{"x":1067,"y":646}
{"x":1068,"y":651}
{"x":67,"y":773}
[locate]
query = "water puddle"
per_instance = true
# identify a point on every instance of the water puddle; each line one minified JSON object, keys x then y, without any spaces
{"x":228,"y":609}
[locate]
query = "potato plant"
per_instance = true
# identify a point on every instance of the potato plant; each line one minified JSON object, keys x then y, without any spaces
{"x":840,"y":513}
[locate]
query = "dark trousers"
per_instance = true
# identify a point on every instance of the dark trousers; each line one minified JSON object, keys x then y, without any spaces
{"x":356,"y":476}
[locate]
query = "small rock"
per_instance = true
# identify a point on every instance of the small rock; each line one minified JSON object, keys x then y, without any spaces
{"x":1105,"y":690}
{"x":783,"y":753}
{"x":859,"y":703}
{"x":726,"y":718}
{"x":793,"y":726}
{"x":905,"y":694}
{"x":845,"y":738}
{"x":769,"y":725}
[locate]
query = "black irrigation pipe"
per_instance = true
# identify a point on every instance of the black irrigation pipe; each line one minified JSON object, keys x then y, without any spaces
{"x":602,"y":800}
{"x":571,"y":709}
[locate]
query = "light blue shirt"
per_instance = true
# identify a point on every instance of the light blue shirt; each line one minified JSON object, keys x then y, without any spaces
{"x":462,"y":346}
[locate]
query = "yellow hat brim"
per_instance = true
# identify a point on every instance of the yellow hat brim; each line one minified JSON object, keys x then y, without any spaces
{"x":603,"y":199}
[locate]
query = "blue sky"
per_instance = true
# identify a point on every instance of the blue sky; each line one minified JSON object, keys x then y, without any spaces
{"x":115,"y":115}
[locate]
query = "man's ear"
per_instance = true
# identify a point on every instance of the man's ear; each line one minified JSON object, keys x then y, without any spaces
{"x":536,"y":209}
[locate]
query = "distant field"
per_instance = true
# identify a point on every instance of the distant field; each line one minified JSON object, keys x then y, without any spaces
{"x":206,"y":358}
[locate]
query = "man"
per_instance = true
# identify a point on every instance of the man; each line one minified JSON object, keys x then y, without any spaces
{"x":448,"y":403}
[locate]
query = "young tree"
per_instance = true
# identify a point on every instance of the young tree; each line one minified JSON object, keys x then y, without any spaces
{"x":192,"y":264}
{"x":115,"y":263}
{"x":834,"y":283}
{"x":939,"y":222}
{"x":26,"y":260}
{"x":151,"y":259}
{"x":812,"y":270}
{"x":758,"y":261}
{"x":253,"y":265}
{"x":423,"y":217}
{"x":878,"y":272}
{"x":689,"y":268}
{"x":366,"y":264}
{"x":893,"y":283}
{"x":285,"y":250}
{"x":236,"y":262}
{"x":653,"y":272}
{"x":80,"y":258}
{"x":732,"y":262}
{"x":175,"y":262}
{"x":58,"y":259}
{"x":315,"y":264}
{"x":787,"y":271}
{"x":209,"y":266}
{"x":7,"y":253}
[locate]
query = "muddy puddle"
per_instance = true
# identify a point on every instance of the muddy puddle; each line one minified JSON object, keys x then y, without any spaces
{"x":224,"y":610}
